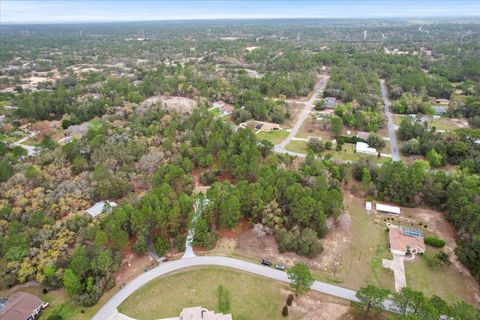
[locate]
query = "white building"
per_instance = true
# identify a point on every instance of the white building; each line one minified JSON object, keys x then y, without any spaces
{"x":387,"y":209}
{"x":99,"y":207}
{"x":368,"y":206}
{"x":218,"y":104}
{"x":362,"y":147}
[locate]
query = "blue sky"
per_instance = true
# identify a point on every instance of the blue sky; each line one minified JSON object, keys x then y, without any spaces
{"x":40,"y":11}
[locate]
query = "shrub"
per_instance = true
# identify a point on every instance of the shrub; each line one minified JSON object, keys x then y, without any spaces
{"x":285,"y":311}
{"x":316,"y":145}
{"x":328,"y":145}
{"x":290,"y":299}
{"x":434,"y":242}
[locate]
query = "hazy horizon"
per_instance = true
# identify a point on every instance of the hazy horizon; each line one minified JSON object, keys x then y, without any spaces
{"x":25,"y":12}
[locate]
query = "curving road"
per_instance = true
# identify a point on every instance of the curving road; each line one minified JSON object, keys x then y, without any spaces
{"x":109,"y":310}
{"x":390,"y":123}
{"x":31,"y":150}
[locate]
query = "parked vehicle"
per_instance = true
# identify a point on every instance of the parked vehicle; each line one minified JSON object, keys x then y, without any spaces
{"x":265,"y":262}
{"x":280,"y":267}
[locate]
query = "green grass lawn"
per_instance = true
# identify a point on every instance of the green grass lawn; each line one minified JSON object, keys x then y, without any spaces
{"x":445,"y":282}
{"x":297,"y":146}
{"x":443,"y":123}
{"x":274,"y":137}
{"x":250,"y":297}
{"x":362,"y":260}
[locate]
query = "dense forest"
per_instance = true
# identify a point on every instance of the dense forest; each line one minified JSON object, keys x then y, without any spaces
{"x":151,"y":158}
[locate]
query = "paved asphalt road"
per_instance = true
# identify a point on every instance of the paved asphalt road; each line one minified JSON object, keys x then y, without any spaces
{"x":280,"y":148}
{"x":390,"y":123}
{"x":109,"y":310}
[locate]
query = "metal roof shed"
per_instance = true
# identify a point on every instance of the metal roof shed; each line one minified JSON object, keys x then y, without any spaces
{"x":387,"y":208}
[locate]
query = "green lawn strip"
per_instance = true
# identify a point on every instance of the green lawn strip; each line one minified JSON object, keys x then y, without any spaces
{"x":274,"y":137}
{"x":249,"y":296}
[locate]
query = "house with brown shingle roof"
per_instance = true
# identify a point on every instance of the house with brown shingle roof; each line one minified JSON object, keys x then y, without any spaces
{"x":22,"y":306}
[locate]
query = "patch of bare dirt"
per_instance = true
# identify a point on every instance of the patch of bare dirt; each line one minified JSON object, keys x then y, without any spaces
{"x":178,"y":104}
{"x":249,"y":244}
{"x":316,"y":306}
{"x":132,"y":265}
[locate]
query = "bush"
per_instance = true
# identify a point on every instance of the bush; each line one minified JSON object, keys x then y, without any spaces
{"x":328,"y":145}
{"x":285,"y":311}
{"x":316,"y":145}
{"x":434,"y":242}
{"x":55,"y":317}
{"x":290,"y":299}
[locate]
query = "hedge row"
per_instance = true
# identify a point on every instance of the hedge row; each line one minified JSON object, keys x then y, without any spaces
{"x":434,"y":242}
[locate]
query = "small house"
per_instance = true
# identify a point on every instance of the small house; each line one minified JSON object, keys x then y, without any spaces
{"x":405,"y":241}
{"x":269,"y":126}
{"x":218,"y":104}
{"x":362,"y":135}
{"x":442,"y":101}
{"x":227,"y":109}
{"x":22,"y":306}
{"x":330,"y":102}
{"x":362,"y":147}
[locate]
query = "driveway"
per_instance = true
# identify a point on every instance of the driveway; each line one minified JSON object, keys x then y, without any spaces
{"x":31,"y":151}
{"x":398,"y":267}
{"x":390,"y":124}
{"x":109,"y":310}
{"x":304,"y":114}
{"x":199,"y":206}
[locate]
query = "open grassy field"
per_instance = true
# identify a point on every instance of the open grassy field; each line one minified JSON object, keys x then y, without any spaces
{"x":274,"y":137}
{"x":362,"y":258}
{"x":250,"y":297}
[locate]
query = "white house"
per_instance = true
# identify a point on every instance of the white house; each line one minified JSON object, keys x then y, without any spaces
{"x":362,"y":147}
{"x":218,"y":104}
{"x":387,"y":209}
{"x":99,"y":207}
